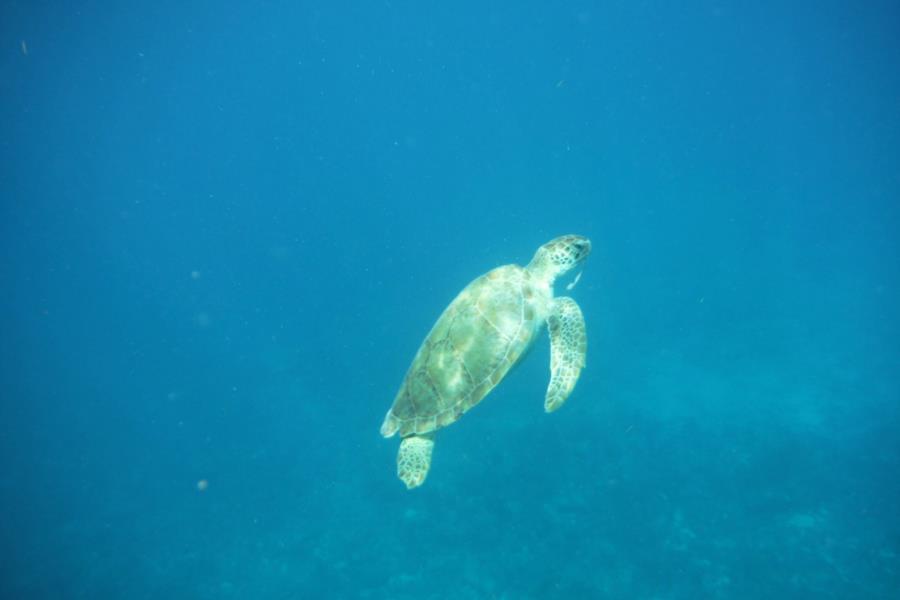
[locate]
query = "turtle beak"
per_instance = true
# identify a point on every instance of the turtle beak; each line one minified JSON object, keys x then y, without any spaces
{"x":582,"y":249}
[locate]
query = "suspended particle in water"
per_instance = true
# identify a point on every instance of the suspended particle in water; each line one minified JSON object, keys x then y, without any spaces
{"x":574,"y":283}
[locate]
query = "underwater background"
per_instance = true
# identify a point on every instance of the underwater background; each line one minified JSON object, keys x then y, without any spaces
{"x":226,"y":228}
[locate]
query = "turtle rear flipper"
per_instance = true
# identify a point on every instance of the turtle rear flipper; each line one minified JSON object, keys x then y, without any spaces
{"x":414,"y":459}
{"x":568,"y":345}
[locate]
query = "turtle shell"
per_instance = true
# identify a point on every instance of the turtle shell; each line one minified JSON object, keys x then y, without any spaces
{"x":479,"y":337}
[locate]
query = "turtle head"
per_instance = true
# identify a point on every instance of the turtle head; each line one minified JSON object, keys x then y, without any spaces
{"x":559,"y":256}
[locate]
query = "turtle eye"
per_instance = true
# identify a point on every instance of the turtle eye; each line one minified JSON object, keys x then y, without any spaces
{"x":582,"y":248}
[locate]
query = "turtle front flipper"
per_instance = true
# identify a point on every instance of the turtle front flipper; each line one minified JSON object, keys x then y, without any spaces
{"x":414,"y":459}
{"x":568,"y":345}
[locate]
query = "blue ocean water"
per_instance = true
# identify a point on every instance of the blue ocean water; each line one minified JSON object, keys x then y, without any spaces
{"x":226,"y":228}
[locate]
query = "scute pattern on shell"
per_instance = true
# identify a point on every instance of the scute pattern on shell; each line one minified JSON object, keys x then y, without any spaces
{"x":474,"y":343}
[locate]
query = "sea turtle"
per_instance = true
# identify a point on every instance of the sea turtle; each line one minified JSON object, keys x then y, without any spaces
{"x":486,"y":329}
